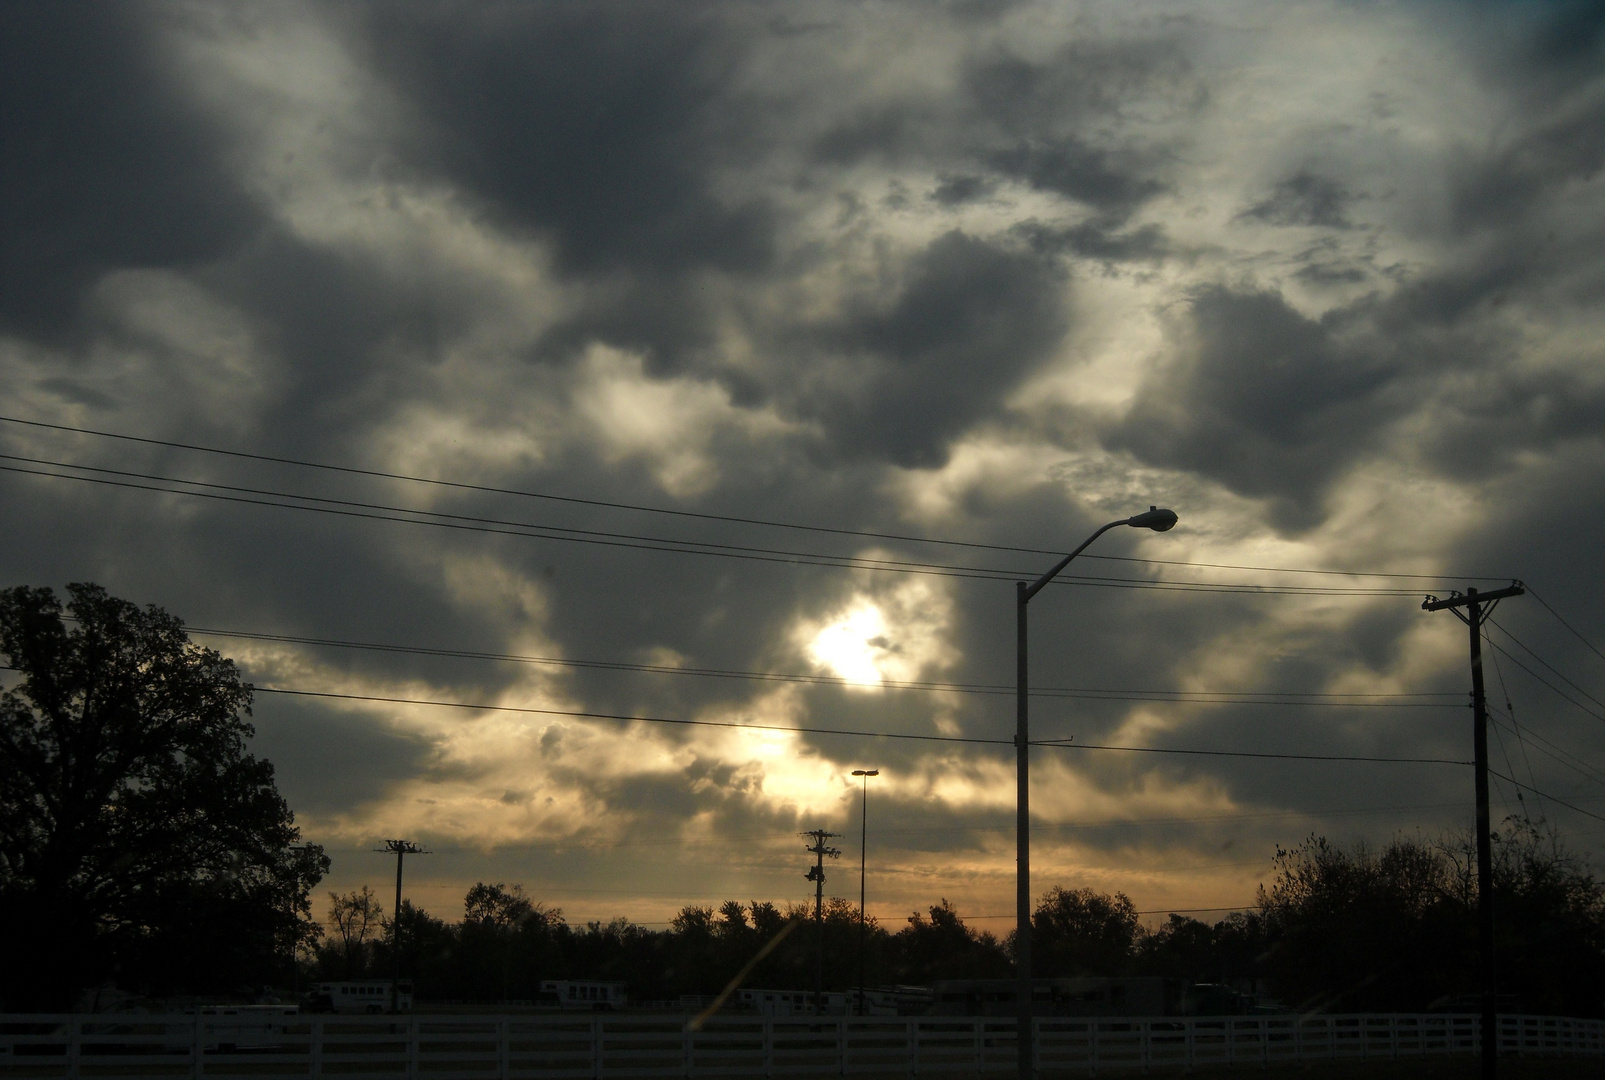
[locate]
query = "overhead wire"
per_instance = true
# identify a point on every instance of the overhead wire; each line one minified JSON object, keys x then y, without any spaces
{"x":707,"y":516}
{"x":1314,"y":698}
{"x":352,"y":508}
{"x":1595,"y":649}
{"x":1546,"y":795}
{"x":1510,"y":711}
{"x":1547,"y":665}
{"x":724,"y":840}
{"x":1559,"y":754}
{"x":1558,"y":691}
{"x":809,"y":730}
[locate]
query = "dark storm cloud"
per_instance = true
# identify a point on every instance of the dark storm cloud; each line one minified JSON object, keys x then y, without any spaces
{"x":1549,"y":61}
{"x":956,"y":189}
{"x":594,"y":125}
{"x":1030,"y":121}
{"x":1305,"y":198}
{"x":1042,"y":112}
{"x":970,"y":319}
{"x":325,"y":761}
{"x":1091,"y":79}
{"x":1092,"y":240}
{"x":615,"y":135}
{"x":105,"y":165}
{"x":1260,"y":397}
{"x":1567,"y":149}
{"x":1070,"y":167}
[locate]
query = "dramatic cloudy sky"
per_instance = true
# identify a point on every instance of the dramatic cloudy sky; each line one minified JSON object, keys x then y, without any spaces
{"x":1324,"y":277}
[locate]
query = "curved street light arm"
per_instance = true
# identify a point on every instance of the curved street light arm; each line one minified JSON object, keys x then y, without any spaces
{"x":1037,"y":585}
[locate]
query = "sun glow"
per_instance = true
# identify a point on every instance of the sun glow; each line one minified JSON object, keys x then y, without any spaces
{"x":853,"y":646}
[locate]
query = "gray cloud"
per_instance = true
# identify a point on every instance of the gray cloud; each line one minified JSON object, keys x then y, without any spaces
{"x":826,"y":289}
{"x":596,"y":126}
{"x":970,"y":318}
{"x":106,"y":164}
{"x":1305,"y":198}
{"x":1264,"y":399}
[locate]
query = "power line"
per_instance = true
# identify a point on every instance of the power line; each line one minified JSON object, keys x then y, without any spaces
{"x":493,"y":526}
{"x":1551,"y":667}
{"x":1567,"y":697}
{"x":723,"y":842}
{"x":1586,"y":773}
{"x":1205,"y":697}
{"x":588,"y":715}
{"x":1565,"y":755}
{"x":1510,"y":712}
{"x":1247,"y":754}
{"x":1575,"y":632}
{"x":705,"y":516}
{"x":1551,"y":798}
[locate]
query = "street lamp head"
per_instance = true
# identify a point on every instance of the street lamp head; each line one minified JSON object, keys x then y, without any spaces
{"x":866,"y":772}
{"x":1156,"y":519}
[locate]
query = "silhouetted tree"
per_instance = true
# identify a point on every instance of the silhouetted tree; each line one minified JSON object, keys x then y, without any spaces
{"x":1353,"y":929}
{"x":1083,"y":932}
{"x":428,"y":948}
{"x":942,"y":947}
{"x":1549,"y":924}
{"x":358,"y":920}
{"x":137,"y":836}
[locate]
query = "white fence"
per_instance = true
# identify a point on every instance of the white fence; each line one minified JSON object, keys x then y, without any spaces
{"x":625,"y":1046}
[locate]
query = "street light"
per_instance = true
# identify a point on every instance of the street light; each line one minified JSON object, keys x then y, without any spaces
{"x":1159,"y":521}
{"x":863,"y":857}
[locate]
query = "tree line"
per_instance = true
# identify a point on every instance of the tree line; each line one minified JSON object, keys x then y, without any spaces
{"x":142,"y":844}
{"x":1338,"y":928}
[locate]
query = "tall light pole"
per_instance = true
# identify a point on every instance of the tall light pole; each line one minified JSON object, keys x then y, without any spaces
{"x":863,"y":862}
{"x":1159,"y":521}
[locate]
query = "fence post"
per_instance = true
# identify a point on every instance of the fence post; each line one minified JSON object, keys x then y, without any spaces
{"x":197,"y":1045}
{"x":315,"y":1048}
{"x":596,"y":1047}
{"x":768,"y":1046}
{"x":412,"y":1047}
{"x":912,"y":1041}
{"x":841,"y":1047}
{"x":74,"y":1047}
{"x":503,"y":1048}
{"x":687,"y":1053}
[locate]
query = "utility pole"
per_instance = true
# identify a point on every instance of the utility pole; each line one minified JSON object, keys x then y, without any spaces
{"x":1478,"y":607}
{"x":816,"y":874}
{"x":401,"y":848}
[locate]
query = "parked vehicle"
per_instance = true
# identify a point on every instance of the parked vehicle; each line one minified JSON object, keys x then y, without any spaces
{"x":365,"y":996}
{"x":582,"y":994}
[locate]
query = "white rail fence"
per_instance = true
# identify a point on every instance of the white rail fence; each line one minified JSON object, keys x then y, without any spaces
{"x":626,"y":1047}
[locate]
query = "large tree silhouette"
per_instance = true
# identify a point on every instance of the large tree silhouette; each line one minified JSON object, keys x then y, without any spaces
{"x":137,"y":836}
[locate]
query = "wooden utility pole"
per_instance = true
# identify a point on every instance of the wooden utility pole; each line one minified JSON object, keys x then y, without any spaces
{"x":1478,"y":607}
{"x":816,"y":874}
{"x":401,"y":848}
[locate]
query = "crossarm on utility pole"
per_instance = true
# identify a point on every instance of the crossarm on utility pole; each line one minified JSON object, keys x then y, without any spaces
{"x":1455,"y":600}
